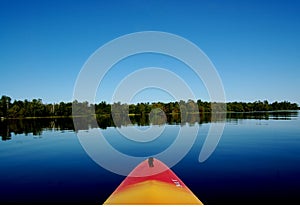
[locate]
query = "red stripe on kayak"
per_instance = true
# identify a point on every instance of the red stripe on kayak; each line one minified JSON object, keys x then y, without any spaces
{"x":151,"y":169}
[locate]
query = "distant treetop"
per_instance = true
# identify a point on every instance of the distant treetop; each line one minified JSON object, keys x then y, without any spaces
{"x":36,"y":108}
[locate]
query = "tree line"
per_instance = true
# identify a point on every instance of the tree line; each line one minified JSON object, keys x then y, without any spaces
{"x":36,"y":108}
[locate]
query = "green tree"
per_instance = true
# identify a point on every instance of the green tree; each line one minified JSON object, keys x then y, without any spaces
{"x":4,"y":106}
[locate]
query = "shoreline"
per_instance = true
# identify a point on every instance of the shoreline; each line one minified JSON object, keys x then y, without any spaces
{"x":132,"y":115}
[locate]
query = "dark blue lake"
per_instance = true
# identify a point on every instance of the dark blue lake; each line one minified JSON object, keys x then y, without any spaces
{"x":257,"y":161}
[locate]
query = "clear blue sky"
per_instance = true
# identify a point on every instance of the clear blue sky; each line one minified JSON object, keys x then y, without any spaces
{"x":254,"y":44}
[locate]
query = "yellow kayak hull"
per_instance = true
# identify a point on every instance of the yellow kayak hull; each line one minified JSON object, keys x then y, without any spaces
{"x":152,"y":182}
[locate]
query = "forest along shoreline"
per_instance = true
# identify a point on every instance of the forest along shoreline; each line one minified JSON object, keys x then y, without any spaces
{"x":37,"y":109}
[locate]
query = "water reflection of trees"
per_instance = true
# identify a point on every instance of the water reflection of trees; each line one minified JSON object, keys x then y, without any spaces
{"x":32,"y":126}
{"x":37,"y":126}
{"x":275,"y":115}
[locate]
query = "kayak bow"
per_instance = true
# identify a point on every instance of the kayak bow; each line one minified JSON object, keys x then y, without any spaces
{"x":152,"y":182}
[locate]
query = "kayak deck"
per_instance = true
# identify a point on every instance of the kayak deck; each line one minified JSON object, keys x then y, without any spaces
{"x":152,"y":182}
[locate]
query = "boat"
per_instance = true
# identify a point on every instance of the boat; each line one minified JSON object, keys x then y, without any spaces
{"x":152,"y":182}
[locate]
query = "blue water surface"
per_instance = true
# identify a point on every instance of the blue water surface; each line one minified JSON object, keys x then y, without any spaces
{"x":257,"y":161}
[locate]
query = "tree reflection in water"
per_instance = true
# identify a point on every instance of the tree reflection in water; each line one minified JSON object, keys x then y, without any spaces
{"x":38,"y":125}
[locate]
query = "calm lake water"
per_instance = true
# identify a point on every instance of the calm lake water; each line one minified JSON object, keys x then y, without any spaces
{"x":257,"y":161}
